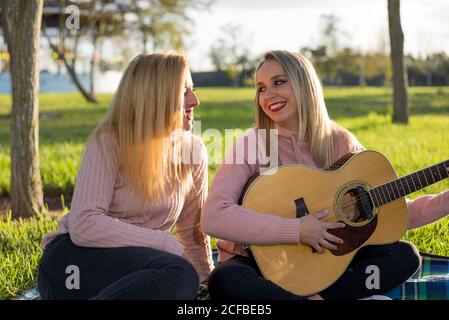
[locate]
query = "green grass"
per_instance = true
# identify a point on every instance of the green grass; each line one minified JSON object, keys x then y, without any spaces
{"x":66,"y":122}
{"x":20,"y":252}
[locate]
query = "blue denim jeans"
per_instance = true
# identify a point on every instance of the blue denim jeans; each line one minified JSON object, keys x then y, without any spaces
{"x":68,"y":272}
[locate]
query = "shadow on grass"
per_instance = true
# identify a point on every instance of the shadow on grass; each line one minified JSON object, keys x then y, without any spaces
{"x":76,"y":123}
{"x":60,"y":125}
{"x":359,"y":106}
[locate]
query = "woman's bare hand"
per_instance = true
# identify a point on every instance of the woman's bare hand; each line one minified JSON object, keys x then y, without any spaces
{"x":314,"y":232}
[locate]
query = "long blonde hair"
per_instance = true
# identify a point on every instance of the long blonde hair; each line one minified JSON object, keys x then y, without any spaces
{"x":145,"y":112}
{"x":322,"y":134}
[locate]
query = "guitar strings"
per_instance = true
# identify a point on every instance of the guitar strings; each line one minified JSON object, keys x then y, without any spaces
{"x":352,"y":203}
{"x":347,"y":205}
{"x":367,"y":196}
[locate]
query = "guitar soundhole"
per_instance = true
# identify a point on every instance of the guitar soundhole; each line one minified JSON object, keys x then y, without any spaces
{"x":356,"y":206}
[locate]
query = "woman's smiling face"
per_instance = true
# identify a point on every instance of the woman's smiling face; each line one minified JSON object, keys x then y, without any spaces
{"x":276,"y":96}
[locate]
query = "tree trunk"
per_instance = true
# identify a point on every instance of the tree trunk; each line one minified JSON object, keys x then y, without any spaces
{"x":97,"y":42}
{"x":144,"y":41}
{"x":93,"y":63}
{"x":429,"y":77}
{"x":429,"y":71}
{"x":362,"y":81}
{"x":61,"y":27}
{"x":26,"y":186}
{"x":400,"y":103}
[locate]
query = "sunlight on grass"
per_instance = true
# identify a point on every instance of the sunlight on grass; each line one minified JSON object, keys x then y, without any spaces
{"x":20,"y":252}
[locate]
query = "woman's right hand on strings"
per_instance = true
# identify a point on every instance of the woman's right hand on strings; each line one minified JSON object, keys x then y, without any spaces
{"x":314,"y":232}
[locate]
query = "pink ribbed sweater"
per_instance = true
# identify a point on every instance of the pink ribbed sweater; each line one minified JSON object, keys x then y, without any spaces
{"x":105,"y":212}
{"x":234,"y":225}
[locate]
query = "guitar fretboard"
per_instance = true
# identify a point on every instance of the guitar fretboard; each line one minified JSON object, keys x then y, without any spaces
{"x":401,"y":187}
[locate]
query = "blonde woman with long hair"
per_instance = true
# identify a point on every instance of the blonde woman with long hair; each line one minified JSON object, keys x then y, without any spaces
{"x":289,"y":99}
{"x":131,"y":190}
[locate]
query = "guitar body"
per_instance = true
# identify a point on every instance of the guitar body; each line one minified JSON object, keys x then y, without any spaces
{"x":295,"y":190}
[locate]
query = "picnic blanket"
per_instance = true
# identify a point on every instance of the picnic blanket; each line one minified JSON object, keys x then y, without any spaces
{"x":430,"y":282}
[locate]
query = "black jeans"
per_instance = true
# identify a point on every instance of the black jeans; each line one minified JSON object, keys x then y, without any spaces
{"x":113,"y":273}
{"x":239,"y":277}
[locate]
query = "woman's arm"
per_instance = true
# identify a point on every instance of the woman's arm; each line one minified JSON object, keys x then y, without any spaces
{"x":427,"y":209}
{"x":90,"y":225}
{"x":188,"y":229}
{"x":224,"y":218}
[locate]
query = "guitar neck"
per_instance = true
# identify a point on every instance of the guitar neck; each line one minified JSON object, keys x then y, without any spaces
{"x":401,"y":187}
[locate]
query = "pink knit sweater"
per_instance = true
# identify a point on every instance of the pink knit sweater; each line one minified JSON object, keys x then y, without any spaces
{"x":234,"y":225}
{"x":105,"y":213}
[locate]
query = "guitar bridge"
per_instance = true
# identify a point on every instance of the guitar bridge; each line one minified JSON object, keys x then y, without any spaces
{"x":301,"y":208}
{"x":301,"y":211}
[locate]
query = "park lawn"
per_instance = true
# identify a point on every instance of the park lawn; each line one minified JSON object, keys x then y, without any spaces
{"x":66,"y":121}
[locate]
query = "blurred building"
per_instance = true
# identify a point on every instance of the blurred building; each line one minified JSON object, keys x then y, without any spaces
{"x":211,"y":79}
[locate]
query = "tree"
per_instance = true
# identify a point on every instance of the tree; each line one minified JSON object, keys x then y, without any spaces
{"x":232,"y":54}
{"x":97,"y":19}
{"x":6,"y":21}
{"x":162,"y":23}
{"x":400,"y":101}
{"x":330,"y":32}
{"x":23,"y":46}
{"x":324,"y":55}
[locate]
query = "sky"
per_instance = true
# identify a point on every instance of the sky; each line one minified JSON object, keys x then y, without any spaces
{"x":292,"y":24}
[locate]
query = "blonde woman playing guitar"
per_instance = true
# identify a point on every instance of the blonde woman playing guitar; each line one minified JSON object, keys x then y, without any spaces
{"x":289,"y":98}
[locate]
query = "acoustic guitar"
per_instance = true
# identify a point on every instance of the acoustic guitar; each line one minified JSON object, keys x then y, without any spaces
{"x":361,"y":190}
